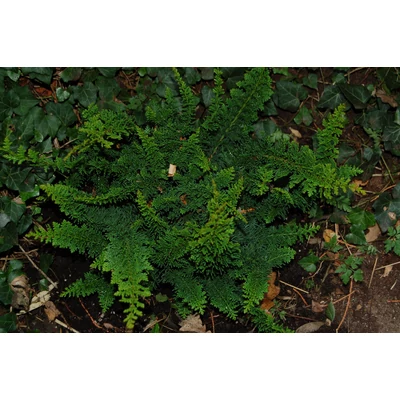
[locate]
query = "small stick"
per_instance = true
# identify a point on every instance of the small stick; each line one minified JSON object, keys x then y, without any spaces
{"x":304,"y":301}
{"x":388,"y":265}
{"x":298,"y":316}
{"x":57,"y":321}
{"x":342,"y":298}
{"x":33,"y":263}
{"x":294,"y":287}
{"x":373,"y":271}
{"x":91,"y":318}
{"x":212,"y":321}
{"x":393,"y":301}
{"x":347,"y":306}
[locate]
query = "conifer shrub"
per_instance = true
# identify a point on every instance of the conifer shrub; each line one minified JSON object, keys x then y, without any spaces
{"x":202,"y":205}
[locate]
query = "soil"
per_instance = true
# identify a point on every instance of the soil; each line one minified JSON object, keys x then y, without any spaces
{"x":372,"y":305}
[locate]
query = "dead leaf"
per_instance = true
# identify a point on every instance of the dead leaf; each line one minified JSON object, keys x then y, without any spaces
{"x":316,"y":240}
{"x":51,"y":310}
{"x":373,"y":233}
{"x":387,"y":271}
{"x":310,"y":327}
{"x":171,"y":170}
{"x":273,"y":291}
{"x":295,"y":133}
{"x":192,"y":323}
{"x":386,"y":98}
{"x":328,"y":235}
{"x":392,"y":215}
{"x":20,"y":286}
{"x":317,"y":307}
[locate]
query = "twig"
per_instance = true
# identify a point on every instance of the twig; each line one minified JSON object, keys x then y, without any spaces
{"x":347,"y":306}
{"x":298,"y":316}
{"x":388,"y":265}
{"x":91,"y":318}
{"x":57,"y":321}
{"x":342,"y":298}
{"x":294,"y":287}
{"x":212,"y":321}
{"x":393,"y":301}
{"x":354,"y":70}
{"x":388,"y":170}
{"x":304,"y":301}
{"x":373,"y":271}
{"x":33,"y":263}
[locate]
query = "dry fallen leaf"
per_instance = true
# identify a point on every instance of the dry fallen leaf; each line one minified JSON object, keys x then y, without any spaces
{"x":386,"y":98}
{"x":328,"y":235}
{"x":295,"y":133}
{"x":273,"y":291}
{"x":317,"y":307}
{"x":171,"y":170}
{"x":373,"y":233}
{"x":20,"y":287}
{"x":192,"y":324}
{"x":387,"y":271}
{"x":51,"y":310}
{"x":310,"y":327}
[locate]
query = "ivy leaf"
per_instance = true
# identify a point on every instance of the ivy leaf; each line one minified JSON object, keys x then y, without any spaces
{"x":12,"y":208}
{"x":49,"y":125}
{"x":8,"y":237}
{"x":8,"y":322}
{"x":24,"y":223}
{"x":9,"y":100}
{"x":288,"y":95}
{"x":356,"y":235}
{"x":311,"y":80}
{"x":26,"y":124}
{"x":41,"y":74}
{"x":270,"y":109}
{"x":63,"y":111}
{"x":357,"y":95}
{"x":207,"y":95}
{"x":26,"y":100}
{"x":13,"y":177}
{"x":303,"y":117}
{"x":5,"y":290}
{"x":390,"y":76}
{"x":108,"y":88}
{"x":309,"y":262}
{"x":62,"y":94}
{"x":360,"y":217}
{"x":86,"y":94}
{"x":207,"y":73}
{"x":331,"y":98}
{"x":391,"y":139}
{"x":108,"y":72}
{"x":71,"y":74}
{"x":4,"y":219}
{"x":191,"y":75}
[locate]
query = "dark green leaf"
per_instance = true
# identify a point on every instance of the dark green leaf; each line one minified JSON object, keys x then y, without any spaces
{"x":5,"y":290}
{"x":360,"y":217}
{"x":48,"y":126}
{"x":8,"y":102}
{"x":345,"y":152}
{"x":281,"y":71}
{"x":331,"y":98}
{"x":338,"y":78}
{"x":356,"y":235}
{"x":390,"y":76}
{"x":63,"y":111}
{"x":391,"y":138}
{"x":62,"y":94}
{"x":288,"y":95}
{"x":8,"y":236}
{"x":86,"y":94}
{"x":4,"y":219}
{"x":26,"y":100}
{"x":8,"y":322}
{"x":46,"y":259}
{"x":207,"y":95}
{"x":357,"y":95}
{"x":303,"y":117}
{"x":311,"y":80}
{"x":309,"y":263}
{"x":12,"y":208}
{"x":13,"y":75}
{"x":71,"y":74}
{"x":161,"y":298}
{"x":14,"y":176}
{"x":108,"y":88}
{"x":108,"y":72}
{"x":26,"y":125}
{"x":207,"y":73}
{"x":270,"y":109}
{"x":24,"y":223}
{"x":330,"y":311}
{"x":358,"y":276}
{"x":191,"y":75}
{"x":41,"y":74}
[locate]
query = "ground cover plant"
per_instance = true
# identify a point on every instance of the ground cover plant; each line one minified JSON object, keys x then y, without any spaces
{"x":196,"y":179}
